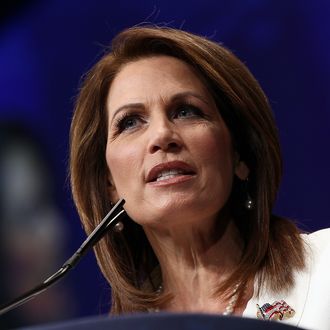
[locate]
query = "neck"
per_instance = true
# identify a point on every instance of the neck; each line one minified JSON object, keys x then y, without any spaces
{"x":195,"y":260}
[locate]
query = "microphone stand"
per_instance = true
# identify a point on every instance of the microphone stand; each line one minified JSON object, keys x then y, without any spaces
{"x":115,"y":213}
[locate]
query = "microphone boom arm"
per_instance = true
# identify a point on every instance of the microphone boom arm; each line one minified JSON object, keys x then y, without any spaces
{"x":115,"y":213}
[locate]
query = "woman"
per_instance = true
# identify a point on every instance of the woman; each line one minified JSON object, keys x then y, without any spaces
{"x":177,"y":126}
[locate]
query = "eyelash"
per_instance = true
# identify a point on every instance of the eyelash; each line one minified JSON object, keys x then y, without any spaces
{"x":197,"y":112}
{"x":122,"y":120}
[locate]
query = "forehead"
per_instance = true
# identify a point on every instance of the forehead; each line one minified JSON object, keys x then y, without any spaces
{"x":153,"y":77}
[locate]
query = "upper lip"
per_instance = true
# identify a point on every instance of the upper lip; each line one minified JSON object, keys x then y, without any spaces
{"x":173,"y":165}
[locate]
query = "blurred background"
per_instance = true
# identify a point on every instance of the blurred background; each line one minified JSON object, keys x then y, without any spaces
{"x":45,"y":48}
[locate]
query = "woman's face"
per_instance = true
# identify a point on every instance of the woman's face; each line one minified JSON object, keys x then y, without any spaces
{"x":169,"y":152}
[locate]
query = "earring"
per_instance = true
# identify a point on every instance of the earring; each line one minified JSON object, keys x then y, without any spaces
{"x":119,"y":226}
{"x":249,"y":203}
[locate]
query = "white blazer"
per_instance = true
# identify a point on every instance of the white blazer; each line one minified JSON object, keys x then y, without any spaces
{"x":310,"y":296}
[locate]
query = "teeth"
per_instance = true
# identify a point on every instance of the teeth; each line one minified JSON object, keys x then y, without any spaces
{"x":168,"y":174}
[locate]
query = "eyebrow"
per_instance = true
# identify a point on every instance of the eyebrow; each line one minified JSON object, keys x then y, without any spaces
{"x":175,"y":98}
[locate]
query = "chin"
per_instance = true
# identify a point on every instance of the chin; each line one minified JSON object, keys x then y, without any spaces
{"x":169,"y":211}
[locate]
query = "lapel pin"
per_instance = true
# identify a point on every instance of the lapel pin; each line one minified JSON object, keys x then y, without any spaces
{"x":278,"y":310}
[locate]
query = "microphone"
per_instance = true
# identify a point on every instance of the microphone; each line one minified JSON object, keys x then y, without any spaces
{"x":108,"y":221}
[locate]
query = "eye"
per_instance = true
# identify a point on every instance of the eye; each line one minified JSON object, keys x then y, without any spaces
{"x":187,"y":111}
{"x":127,"y":122}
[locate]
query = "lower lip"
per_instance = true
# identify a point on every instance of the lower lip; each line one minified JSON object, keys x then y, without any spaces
{"x":172,"y":181}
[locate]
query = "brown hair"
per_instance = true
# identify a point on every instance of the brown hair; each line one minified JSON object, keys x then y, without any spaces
{"x":273,"y":248}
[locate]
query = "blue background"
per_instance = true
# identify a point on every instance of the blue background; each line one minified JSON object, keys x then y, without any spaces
{"x":47,"y":46}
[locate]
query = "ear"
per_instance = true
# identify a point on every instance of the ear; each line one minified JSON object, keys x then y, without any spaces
{"x":241,"y":169}
{"x":112,"y":191}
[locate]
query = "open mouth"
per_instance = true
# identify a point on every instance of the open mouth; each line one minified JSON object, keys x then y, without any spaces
{"x":170,"y":170}
{"x":169,"y":174}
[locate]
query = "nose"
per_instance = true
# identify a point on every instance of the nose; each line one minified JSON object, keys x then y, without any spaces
{"x":163,"y":136}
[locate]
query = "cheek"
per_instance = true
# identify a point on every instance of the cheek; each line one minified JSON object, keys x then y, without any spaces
{"x":124,"y":164}
{"x":215,"y":147}
{"x":215,"y":151}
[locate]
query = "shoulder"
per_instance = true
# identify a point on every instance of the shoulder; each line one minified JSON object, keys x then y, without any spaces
{"x":321,"y":236}
{"x":316,"y":281}
{"x":318,"y":245}
{"x":310,"y":294}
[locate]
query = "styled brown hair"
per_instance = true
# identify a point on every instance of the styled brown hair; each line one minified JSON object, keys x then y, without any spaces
{"x":273,"y":248}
